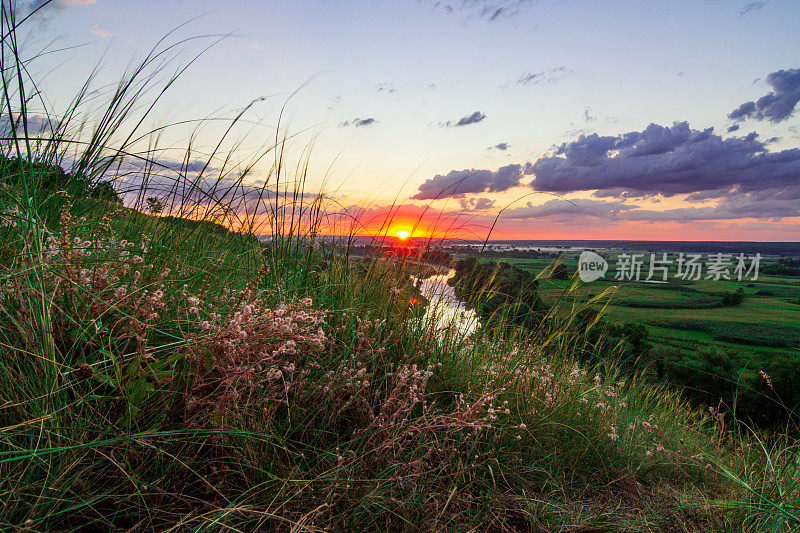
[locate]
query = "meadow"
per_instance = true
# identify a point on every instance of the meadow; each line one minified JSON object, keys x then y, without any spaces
{"x":687,"y":320}
{"x":164,"y":369}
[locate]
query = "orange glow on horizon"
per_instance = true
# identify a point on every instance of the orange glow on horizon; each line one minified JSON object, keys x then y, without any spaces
{"x":419,"y":225}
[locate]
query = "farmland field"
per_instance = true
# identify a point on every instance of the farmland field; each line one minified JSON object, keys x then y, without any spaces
{"x":687,"y":318}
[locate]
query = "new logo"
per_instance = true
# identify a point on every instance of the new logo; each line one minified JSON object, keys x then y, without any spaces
{"x":591,"y":266}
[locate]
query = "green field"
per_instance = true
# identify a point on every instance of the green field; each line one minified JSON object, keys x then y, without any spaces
{"x":687,"y":315}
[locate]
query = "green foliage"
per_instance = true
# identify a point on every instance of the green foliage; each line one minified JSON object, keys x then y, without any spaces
{"x":500,"y":293}
{"x":154,"y":205}
{"x":775,"y":335}
{"x":626,"y":345}
{"x":785,"y":266}
{"x":560,"y":271}
{"x":49,"y":177}
{"x":733,"y":298}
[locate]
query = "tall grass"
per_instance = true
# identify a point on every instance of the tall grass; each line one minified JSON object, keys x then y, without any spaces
{"x":161,"y":372}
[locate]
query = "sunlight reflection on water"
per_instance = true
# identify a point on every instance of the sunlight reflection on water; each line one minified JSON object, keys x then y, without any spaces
{"x":445,"y":309}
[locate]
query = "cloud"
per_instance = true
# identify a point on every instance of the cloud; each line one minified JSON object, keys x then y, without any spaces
{"x":543,"y":76}
{"x":60,"y":5}
{"x":334,"y":101}
{"x":666,"y":161}
{"x":733,"y":128}
{"x":97,"y":30}
{"x":35,"y":124}
{"x":489,"y":10}
{"x":752,"y":6}
{"x":195,"y":165}
{"x":569,"y":208}
{"x":500,"y":146}
{"x":474,"y":118}
{"x":457,"y":183}
{"x":737,"y":207}
{"x":659,"y":160}
{"x":358,"y":122}
{"x":777,"y":105}
{"x":476,"y":204}
{"x":587,"y":115}
{"x":385,"y":88}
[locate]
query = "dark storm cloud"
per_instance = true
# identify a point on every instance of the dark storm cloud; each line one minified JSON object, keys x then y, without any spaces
{"x":774,"y":106}
{"x":474,"y":118}
{"x":667,"y":161}
{"x":358,"y":122}
{"x":457,"y":183}
{"x":500,"y":146}
{"x":752,"y":6}
{"x":733,"y":128}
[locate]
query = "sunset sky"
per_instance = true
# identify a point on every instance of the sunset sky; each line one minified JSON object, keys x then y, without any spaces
{"x":581,"y":119}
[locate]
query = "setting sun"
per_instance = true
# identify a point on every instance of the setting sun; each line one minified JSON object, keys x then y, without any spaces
{"x":403,"y":234}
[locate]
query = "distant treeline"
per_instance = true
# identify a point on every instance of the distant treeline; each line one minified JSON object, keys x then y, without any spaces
{"x":784,"y":249}
{"x":786,"y":266}
{"x":515,"y":254}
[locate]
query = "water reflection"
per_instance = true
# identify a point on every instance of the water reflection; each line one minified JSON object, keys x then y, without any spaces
{"x":445,"y":309}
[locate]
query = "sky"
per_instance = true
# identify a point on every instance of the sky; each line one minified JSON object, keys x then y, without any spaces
{"x":539,"y":119}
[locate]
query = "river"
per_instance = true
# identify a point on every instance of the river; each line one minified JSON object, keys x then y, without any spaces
{"x":445,"y":309}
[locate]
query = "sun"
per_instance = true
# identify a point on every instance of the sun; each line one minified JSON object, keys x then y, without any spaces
{"x":403,"y":234}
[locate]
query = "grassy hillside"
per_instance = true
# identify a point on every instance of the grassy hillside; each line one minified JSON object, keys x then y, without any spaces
{"x":161,"y":374}
{"x":164,"y":374}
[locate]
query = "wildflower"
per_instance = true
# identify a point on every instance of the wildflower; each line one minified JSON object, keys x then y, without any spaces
{"x":137,"y":259}
{"x":766,"y":378}
{"x":85,"y":371}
